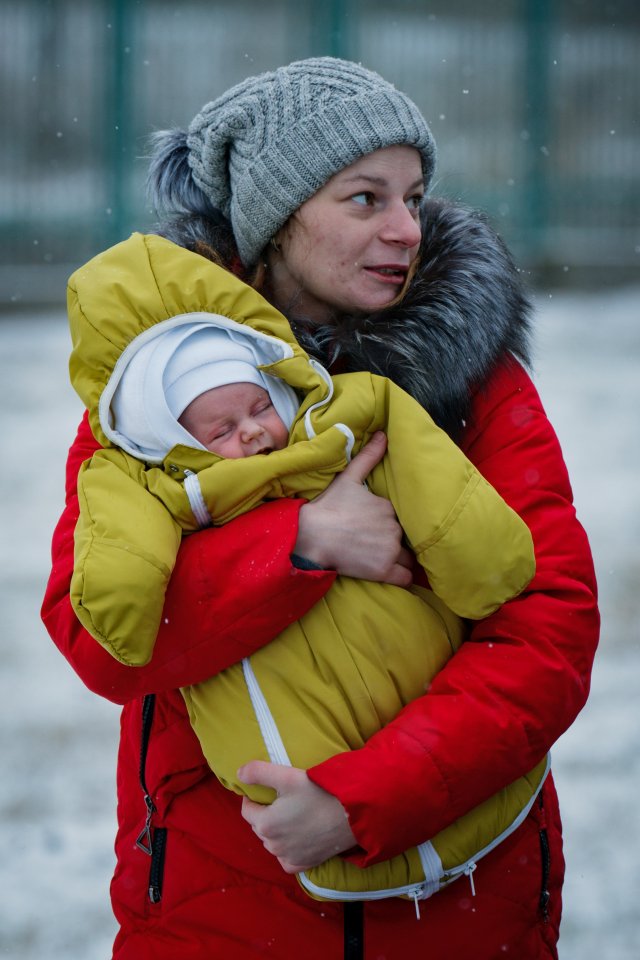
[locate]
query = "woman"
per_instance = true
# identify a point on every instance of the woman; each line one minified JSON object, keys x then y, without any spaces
{"x":319,"y":171}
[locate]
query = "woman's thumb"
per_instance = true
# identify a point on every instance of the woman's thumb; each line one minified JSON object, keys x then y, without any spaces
{"x":264,"y":774}
{"x":368,"y":458}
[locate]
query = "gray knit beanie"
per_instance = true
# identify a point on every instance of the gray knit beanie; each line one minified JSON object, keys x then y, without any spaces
{"x":268,"y":144}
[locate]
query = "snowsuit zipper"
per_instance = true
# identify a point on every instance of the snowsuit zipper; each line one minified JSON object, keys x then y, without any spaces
{"x":152,"y":841}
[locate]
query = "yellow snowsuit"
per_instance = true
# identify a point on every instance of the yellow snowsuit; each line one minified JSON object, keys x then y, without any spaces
{"x":351,"y":663}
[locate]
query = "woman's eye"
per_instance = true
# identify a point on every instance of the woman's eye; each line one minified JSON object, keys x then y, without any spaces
{"x":364,"y":199}
{"x":414,"y":203}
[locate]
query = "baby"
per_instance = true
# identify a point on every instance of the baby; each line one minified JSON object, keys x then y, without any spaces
{"x":235,"y":420}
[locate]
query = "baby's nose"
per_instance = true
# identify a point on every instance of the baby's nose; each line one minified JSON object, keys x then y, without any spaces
{"x":251,"y":428}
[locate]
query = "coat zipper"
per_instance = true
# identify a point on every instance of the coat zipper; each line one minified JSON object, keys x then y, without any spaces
{"x":545,"y":857}
{"x":353,"y":914}
{"x":156,"y":867}
{"x":151,"y":840}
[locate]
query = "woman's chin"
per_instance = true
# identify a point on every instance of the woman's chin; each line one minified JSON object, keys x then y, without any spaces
{"x":376,"y":300}
{"x":360,"y":302}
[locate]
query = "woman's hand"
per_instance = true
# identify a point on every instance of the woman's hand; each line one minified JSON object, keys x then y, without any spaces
{"x":350,"y":530}
{"x":304,"y":826}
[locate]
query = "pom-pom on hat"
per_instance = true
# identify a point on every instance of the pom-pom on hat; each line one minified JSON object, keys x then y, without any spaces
{"x":268,"y":144}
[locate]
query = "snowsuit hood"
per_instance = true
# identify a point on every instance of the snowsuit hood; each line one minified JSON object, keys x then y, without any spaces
{"x":145,"y":285}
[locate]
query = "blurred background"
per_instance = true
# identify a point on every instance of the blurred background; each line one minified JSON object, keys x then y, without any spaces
{"x":535,"y":105}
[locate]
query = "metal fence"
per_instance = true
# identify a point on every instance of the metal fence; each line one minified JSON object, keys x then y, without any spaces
{"x":534,"y":105}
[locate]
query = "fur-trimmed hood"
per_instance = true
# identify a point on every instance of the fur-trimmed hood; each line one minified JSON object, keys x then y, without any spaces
{"x":465,"y":309}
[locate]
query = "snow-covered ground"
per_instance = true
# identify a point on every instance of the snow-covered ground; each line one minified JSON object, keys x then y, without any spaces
{"x":59,"y":741}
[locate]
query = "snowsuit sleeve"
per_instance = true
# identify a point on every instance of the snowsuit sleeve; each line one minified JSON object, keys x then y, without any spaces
{"x":132,"y":518}
{"x":126,"y":543}
{"x":232,"y":590}
{"x":515,"y":686}
{"x":475,"y":549}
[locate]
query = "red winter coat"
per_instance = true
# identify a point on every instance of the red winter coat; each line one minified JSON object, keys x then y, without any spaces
{"x":495,"y":709}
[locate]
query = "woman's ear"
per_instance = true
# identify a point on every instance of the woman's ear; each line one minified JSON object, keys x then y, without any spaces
{"x":280,"y":238}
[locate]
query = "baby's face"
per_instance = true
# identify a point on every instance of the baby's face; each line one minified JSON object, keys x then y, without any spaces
{"x":236,"y":420}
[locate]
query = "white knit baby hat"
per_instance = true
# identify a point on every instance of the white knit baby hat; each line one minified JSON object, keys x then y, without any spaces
{"x":162,"y":373}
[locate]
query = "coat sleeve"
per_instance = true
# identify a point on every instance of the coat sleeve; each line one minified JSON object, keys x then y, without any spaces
{"x":233,"y":589}
{"x":519,"y":681}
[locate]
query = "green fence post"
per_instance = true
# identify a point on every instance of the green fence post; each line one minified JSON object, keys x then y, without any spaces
{"x":119,"y":111}
{"x":537,"y":128}
{"x":331,"y":28}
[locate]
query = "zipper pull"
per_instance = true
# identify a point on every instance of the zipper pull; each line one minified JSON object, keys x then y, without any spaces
{"x":469,"y":873}
{"x":416,"y":901}
{"x":144,"y":838}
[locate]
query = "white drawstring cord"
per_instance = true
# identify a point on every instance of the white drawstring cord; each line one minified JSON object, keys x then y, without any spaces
{"x":196,"y":500}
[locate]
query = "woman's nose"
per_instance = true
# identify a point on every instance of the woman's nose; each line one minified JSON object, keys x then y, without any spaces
{"x":402,"y":227}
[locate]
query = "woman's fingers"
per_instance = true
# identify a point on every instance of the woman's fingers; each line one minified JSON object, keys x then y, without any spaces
{"x":304,"y":826}
{"x":351,"y":530}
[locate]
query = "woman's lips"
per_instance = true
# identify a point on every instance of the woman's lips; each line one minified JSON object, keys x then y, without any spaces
{"x":388,"y":273}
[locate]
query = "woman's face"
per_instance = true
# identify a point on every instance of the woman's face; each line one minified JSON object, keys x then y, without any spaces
{"x":349,"y":247}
